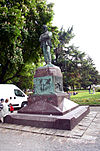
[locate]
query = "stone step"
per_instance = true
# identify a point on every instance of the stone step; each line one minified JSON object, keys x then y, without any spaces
{"x":65,"y":122}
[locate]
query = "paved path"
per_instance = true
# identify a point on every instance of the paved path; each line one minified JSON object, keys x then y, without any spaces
{"x":84,"y":137}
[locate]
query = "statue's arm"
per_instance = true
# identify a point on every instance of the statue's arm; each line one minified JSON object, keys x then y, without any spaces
{"x":45,"y":36}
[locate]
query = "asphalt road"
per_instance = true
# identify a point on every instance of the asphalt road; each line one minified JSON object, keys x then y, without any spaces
{"x":19,"y":140}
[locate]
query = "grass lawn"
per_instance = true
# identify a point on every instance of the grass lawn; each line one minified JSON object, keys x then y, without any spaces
{"x":84,"y":98}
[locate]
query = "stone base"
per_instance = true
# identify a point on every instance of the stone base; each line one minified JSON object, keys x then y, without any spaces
{"x":49,"y":111}
{"x":64,"y":122}
{"x":49,"y":107}
{"x":55,"y":104}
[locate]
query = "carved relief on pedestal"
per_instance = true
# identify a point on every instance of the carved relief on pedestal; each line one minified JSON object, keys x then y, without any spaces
{"x":48,"y":85}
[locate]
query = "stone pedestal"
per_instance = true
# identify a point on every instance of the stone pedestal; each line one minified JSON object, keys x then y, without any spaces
{"x":50,"y":106}
{"x":48,"y":80}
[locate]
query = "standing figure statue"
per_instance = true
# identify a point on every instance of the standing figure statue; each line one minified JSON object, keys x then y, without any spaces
{"x":45,"y":40}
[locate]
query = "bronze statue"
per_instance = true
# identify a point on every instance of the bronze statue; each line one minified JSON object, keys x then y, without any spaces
{"x":45,"y":40}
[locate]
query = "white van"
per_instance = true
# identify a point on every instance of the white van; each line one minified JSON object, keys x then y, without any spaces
{"x":15,"y":95}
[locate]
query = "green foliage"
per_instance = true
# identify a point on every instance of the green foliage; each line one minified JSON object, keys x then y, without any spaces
{"x":20,"y":28}
{"x":21,"y":25}
{"x":25,"y":79}
{"x":89,"y":74}
{"x":65,"y":37}
{"x":78,"y":70}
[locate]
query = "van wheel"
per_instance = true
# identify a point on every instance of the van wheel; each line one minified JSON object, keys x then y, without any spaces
{"x":24,"y":104}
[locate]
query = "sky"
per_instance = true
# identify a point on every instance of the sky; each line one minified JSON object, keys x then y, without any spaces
{"x":84,"y":15}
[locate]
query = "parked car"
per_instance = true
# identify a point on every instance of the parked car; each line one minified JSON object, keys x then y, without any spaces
{"x":15,"y":95}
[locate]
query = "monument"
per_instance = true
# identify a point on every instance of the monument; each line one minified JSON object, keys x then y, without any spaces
{"x":50,"y":106}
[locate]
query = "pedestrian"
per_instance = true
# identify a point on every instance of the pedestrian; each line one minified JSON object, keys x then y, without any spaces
{"x":1,"y":107}
{"x":11,"y":108}
{"x":89,"y":89}
{"x":5,"y":110}
{"x":93,"y":90}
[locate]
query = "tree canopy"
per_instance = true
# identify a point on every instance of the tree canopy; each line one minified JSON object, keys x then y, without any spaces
{"x":21,"y":24}
{"x":78,"y":69}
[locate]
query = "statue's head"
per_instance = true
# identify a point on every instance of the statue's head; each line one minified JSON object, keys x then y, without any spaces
{"x":45,"y":27}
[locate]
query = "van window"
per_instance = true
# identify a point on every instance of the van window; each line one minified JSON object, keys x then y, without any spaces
{"x":18,"y":93}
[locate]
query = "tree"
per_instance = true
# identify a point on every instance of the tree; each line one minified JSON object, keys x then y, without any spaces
{"x":88,"y":73}
{"x":78,"y":71}
{"x":20,"y":28}
{"x":73,"y":63}
{"x":25,"y":79}
{"x":64,"y":38}
{"x":67,"y":58}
